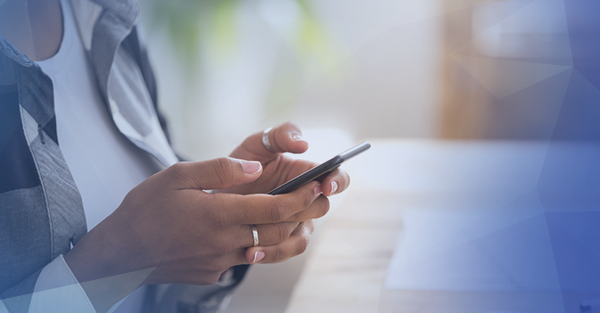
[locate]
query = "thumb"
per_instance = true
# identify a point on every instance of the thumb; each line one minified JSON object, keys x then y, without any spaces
{"x":215,"y":174}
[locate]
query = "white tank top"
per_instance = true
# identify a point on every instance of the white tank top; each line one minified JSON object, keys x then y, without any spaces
{"x":105,"y":164}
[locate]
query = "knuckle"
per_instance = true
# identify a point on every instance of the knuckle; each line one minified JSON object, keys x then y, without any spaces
{"x":302,"y":244}
{"x":278,"y":211}
{"x":283,"y":232}
{"x":223,"y":247}
{"x":224,"y":164}
{"x":298,"y":216}
{"x":309,"y":198}
{"x":228,"y":246}
{"x":177,"y":170}
{"x":223,"y":170}
{"x":324,"y":208}
{"x":277,"y":253}
{"x":291,"y":125}
{"x":218,"y":218}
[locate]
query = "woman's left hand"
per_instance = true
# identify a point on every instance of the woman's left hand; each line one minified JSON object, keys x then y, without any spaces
{"x":279,"y":168}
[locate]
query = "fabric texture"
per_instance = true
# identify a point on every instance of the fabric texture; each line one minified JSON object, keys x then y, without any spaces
{"x":41,"y":209}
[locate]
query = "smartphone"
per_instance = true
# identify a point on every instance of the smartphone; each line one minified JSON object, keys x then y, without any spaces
{"x":320,"y":171}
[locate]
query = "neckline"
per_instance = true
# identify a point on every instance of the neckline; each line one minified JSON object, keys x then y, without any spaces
{"x":54,"y":62}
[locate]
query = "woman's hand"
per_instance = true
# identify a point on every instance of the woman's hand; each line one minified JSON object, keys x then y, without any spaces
{"x":169,"y":224}
{"x":279,"y":168}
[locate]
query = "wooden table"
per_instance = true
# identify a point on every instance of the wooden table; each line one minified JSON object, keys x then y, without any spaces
{"x":413,"y":201}
{"x":347,"y":265}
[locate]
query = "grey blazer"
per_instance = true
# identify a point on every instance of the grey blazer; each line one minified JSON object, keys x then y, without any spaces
{"x":41,"y":212}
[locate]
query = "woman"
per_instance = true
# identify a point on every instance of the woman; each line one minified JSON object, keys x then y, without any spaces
{"x":84,"y":148}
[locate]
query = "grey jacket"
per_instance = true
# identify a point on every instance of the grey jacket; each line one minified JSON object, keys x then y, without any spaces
{"x":41,"y":212}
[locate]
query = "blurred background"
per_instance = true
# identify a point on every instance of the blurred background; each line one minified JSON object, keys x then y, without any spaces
{"x":459,"y":69}
{"x":488,"y":108}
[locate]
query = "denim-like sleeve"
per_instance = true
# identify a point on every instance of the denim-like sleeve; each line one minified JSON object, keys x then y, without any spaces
{"x":55,"y":290}
{"x":16,"y":299}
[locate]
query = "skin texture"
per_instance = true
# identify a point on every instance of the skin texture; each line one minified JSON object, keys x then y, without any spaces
{"x":279,"y":169}
{"x":168,"y":223}
{"x":34,"y":27}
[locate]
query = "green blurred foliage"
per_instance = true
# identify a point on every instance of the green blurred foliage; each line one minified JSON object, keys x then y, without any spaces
{"x":187,"y":21}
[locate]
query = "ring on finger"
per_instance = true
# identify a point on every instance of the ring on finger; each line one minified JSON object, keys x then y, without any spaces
{"x":255,"y":240}
{"x":265,"y":139}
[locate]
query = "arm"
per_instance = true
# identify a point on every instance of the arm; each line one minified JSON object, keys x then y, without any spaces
{"x":171,"y":231}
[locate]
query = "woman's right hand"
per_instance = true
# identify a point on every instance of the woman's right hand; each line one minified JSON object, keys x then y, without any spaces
{"x":169,"y":224}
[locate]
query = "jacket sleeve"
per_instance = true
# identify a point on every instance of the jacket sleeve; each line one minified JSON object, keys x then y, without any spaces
{"x":17,"y":298}
{"x":55,"y":289}
{"x":134,"y":44}
{"x":52,"y":289}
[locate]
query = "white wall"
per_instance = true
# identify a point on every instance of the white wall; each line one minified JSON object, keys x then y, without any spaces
{"x":377,"y":76}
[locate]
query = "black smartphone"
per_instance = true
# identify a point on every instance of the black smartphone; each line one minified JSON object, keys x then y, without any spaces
{"x":320,"y":171}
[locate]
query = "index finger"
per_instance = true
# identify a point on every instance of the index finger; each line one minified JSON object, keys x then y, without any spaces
{"x":266,"y":209}
{"x":286,"y":137}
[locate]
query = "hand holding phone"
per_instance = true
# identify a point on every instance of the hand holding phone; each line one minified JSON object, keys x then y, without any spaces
{"x":321,"y":170}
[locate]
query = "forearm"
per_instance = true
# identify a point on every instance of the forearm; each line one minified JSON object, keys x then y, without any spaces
{"x":106,"y":263}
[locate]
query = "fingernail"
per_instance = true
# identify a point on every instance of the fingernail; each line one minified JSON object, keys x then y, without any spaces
{"x":334,"y":186}
{"x":251,"y":167}
{"x":296,"y":137}
{"x":318,"y":191}
{"x":258,"y":255}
